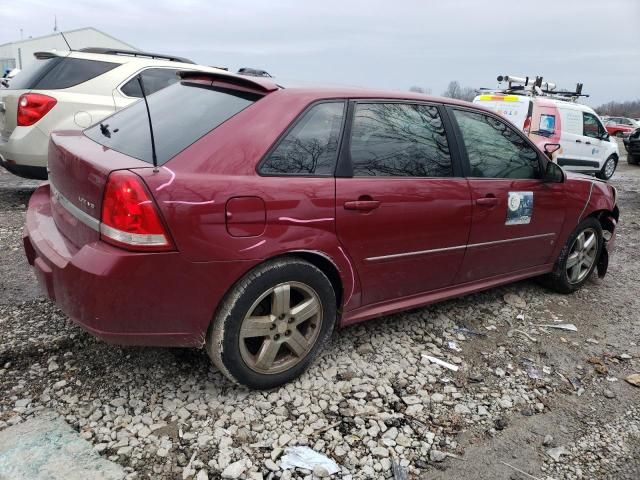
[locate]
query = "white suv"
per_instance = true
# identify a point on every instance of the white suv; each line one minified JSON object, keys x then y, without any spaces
{"x":73,"y":90}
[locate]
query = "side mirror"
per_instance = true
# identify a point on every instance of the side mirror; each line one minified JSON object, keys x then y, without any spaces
{"x":553,"y":173}
{"x":550,"y":149}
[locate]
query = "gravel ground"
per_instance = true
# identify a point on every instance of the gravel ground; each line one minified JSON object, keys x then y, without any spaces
{"x":523,"y":393}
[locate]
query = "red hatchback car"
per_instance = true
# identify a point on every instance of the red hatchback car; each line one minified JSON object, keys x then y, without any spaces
{"x":278,"y":213}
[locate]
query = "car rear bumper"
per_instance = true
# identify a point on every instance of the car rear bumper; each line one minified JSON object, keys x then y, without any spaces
{"x":124,"y":297}
{"x":24,"y":153}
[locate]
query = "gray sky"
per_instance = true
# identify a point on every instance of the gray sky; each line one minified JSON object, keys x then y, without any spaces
{"x":375,"y":43}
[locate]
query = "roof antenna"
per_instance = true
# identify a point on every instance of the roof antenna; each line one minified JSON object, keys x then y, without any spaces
{"x":65,"y":41}
{"x":154,"y":157}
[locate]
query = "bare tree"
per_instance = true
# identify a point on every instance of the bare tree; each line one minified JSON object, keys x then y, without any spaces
{"x":416,"y":89}
{"x":454,"y":90}
{"x":620,"y":109}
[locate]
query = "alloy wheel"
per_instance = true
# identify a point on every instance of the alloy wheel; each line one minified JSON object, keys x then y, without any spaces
{"x":609,"y":168}
{"x":582,"y":255}
{"x":281,"y":328}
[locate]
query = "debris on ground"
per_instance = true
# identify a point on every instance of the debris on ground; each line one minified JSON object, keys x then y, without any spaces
{"x":634,"y":379}
{"x":45,"y":447}
{"x":561,"y":326}
{"x":557,"y":452}
{"x":442,"y":363}
{"x":305,"y":457}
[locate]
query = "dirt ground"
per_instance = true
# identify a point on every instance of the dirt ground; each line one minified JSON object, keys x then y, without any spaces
{"x":370,"y":402}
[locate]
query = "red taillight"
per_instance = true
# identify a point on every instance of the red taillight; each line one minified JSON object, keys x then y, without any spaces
{"x":130,"y":218}
{"x":527,"y":125}
{"x":32,"y":107}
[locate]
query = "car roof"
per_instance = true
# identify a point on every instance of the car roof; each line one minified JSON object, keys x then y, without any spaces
{"x":121,"y":58}
{"x":323,"y":92}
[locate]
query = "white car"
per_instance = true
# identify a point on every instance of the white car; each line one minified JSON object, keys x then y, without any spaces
{"x":585,"y":145}
{"x":73,"y":90}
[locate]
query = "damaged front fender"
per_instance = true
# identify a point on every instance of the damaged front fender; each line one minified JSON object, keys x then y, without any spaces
{"x":603,"y":262}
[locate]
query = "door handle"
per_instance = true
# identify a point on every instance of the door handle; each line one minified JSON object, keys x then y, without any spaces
{"x":487,"y":201}
{"x":578,"y":141}
{"x":588,"y":143}
{"x":364,"y":205}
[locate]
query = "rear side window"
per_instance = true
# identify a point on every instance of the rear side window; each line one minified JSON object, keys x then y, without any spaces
{"x":32,"y":73}
{"x":181,"y":114}
{"x":311,"y":146}
{"x":494,"y":149}
{"x":154,"y":79}
{"x":399,"y":140}
{"x":59,"y":73}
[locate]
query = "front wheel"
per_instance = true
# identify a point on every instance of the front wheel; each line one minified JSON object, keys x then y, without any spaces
{"x":619,"y":134}
{"x":578,"y":257}
{"x":608,"y":169}
{"x":273,"y":323}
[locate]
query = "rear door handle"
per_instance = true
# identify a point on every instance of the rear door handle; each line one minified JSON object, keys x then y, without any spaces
{"x":578,"y":141}
{"x":588,"y":143}
{"x":487,"y":201}
{"x":362,"y":205}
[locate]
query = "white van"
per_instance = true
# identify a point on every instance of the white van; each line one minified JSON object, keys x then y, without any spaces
{"x":586,"y":146}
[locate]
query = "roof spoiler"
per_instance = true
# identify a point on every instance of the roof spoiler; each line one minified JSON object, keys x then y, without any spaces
{"x":47,"y":55}
{"x":254,"y":83}
{"x":135,"y":53}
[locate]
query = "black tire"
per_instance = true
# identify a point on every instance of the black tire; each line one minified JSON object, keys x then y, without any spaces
{"x":619,"y":134}
{"x":602,"y":174}
{"x":558,"y":279}
{"x":633,"y":159}
{"x":224,"y":336}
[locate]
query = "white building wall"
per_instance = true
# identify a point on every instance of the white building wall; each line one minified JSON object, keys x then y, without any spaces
{"x":21,"y":52}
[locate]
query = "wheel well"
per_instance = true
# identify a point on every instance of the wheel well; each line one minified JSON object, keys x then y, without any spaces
{"x":328,"y":268}
{"x":606,"y":218}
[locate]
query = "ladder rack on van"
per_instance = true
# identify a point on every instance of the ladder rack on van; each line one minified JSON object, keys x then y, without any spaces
{"x":529,"y":87}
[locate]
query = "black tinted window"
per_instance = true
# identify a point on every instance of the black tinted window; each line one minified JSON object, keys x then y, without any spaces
{"x":311,"y":147}
{"x":72,"y":71}
{"x":494,"y":149}
{"x":181,"y":114}
{"x":32,"y":73}
{"x":397,"y":139}
{"x":154,"y":79}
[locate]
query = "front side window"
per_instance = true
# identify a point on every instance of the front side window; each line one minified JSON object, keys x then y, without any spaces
{"x":154,"y":79}
{"x":591,"y":125}
{"x":494,"y":149}
{"x":311,"y":146}
{"x":399,"y":140}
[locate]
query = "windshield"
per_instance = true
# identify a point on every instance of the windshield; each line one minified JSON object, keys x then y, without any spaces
{"x":181,"y":114}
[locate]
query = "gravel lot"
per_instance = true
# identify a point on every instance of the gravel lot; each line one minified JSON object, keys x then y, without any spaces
{"x":523,"y":394}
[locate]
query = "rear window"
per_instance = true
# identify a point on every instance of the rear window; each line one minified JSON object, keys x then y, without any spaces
{"x":57,"y":73}
{"x":181,"y":114}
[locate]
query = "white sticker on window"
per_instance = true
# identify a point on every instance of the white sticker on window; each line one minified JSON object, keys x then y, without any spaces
{"x":519,"y":208}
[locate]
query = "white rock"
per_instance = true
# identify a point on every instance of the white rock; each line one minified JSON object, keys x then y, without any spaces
{"x":235,"y":469}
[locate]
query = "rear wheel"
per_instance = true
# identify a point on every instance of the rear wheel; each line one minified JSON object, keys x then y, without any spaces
{"x":273,"y":324}
{"x":619,"y":134}
{"x":633,"y":159}
{"x":608,"y":169}
{"x":578,"y":257}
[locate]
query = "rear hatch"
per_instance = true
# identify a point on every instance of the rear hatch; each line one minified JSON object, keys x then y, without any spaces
{"x":47,"y":73}
{"x":78,"y":172}
{"x":80,"y":162}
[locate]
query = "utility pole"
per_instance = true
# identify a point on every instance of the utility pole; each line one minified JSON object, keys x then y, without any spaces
{"x":21,"y":35}
{"x":55,"y":23}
